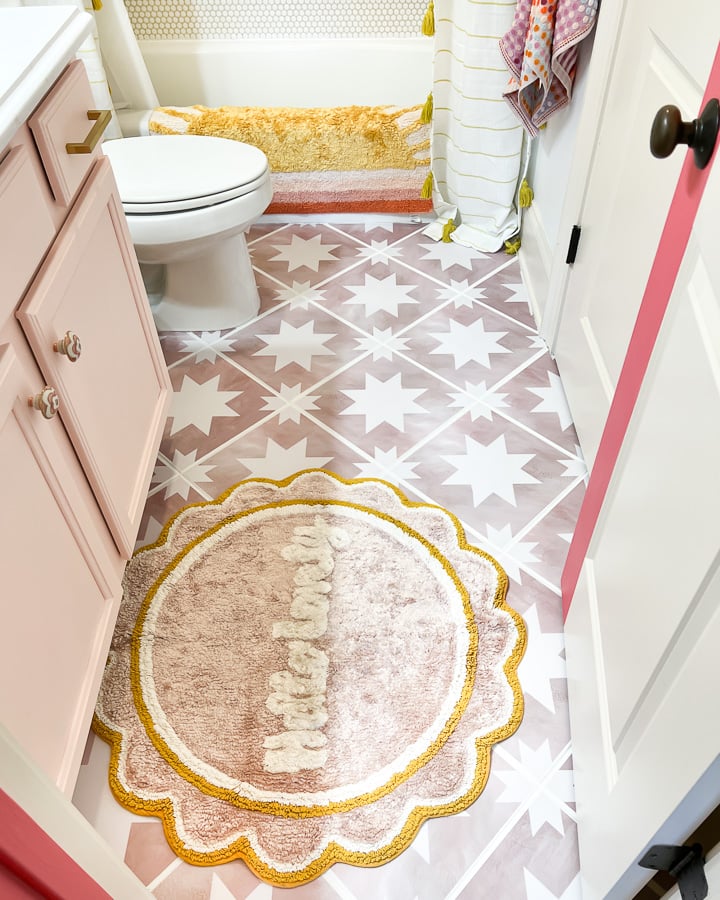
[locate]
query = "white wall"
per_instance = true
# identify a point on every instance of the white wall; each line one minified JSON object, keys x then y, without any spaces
{"x":551,"y":157}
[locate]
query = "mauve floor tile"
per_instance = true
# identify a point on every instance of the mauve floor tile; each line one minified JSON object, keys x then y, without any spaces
{"x":380,"y":353}
{"x":470,"y":345}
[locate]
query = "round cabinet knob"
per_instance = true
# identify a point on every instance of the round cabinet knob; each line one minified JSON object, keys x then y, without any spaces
{"x":69,"y":346}
{"x":46,"y":402}
{"x":668,"y":130}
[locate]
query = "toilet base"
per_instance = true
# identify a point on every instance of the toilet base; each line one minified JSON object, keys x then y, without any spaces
{"x":209,"y":291}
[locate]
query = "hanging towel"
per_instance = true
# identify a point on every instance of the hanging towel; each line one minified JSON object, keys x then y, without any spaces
{"x":541,"y":50}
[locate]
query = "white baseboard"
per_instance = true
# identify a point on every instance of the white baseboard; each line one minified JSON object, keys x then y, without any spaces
{"x":535,"y":257}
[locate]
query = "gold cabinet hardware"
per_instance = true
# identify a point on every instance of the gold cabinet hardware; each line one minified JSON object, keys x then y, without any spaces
{"x":102,"y":120}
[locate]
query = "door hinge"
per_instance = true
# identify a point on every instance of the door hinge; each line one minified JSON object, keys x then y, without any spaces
{"x":573,"y":245}
{"x":685,"y":864}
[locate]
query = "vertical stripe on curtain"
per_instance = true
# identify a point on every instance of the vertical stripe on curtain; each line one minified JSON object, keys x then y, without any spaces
{"x":477,"y":145}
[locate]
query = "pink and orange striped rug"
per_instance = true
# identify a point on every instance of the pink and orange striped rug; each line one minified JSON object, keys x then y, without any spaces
{"x":342,"y":159}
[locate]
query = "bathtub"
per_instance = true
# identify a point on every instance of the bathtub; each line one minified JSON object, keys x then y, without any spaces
{"x":290,"y":72}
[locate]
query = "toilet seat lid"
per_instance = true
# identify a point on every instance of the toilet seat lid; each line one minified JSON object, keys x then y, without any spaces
{"x":167,"y":173}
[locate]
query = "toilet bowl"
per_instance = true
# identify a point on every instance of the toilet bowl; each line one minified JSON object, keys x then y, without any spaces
{"x":188,"y":201}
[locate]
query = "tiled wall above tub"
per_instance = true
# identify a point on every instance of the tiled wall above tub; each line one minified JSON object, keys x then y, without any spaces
{"x":232,"y":19}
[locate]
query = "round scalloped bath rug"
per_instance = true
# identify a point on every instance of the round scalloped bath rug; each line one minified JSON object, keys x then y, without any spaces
{"x":305,"y":670}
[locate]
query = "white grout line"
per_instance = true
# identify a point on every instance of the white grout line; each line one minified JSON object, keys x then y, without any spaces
{"x":500,"y":835}
{"x":168,"y":870}
{"x":342,"y":890}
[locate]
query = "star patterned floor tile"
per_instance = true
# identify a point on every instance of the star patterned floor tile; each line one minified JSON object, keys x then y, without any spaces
{"x":377,"y":406}
{"x":375,"y":295}
{"x":210,"y":404}
{"x":538,"y":400}
{"x":553,"y":534}
{"x":451,"y":261}
{"x":490,"y":472}
{"x":543,"y":856}
{"x":380,"y":353}
{"x":506,"y":294}
{"x":296,"y":346}
{"x":303,"y":253}
{"x":470,"y":344}
{"x":278,"y":451}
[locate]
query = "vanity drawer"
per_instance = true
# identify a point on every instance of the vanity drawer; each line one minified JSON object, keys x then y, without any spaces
{"x":67,"y":131}
{"x":26,"y":227}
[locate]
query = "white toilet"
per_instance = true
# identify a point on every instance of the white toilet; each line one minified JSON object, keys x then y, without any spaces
{"x":188,"y":201}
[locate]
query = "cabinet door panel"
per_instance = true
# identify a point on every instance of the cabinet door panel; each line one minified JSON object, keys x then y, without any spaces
{"x":114,"y":397}
{"x":59,"y":592}
{"x":26,"y":227}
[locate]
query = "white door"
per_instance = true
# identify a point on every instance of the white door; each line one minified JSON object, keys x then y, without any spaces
{"x":643,"y":629}
{"x":662,"y":54}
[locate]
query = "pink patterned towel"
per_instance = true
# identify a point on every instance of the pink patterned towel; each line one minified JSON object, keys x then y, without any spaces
{"x":541,"y":52}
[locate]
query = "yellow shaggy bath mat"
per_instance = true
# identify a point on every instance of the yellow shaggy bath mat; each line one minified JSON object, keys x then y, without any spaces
{"x":350,"y":158}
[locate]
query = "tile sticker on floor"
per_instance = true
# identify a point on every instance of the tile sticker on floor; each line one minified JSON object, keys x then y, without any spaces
{"x":380,"y":353}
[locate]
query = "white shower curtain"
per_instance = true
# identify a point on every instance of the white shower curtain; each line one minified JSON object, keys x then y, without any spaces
{"x":478,"y":155}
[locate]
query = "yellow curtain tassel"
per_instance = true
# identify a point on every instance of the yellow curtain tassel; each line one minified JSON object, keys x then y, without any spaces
{"x":427,"y":111}
{"x":526,"y":194}
{"x":427,"y":188}
{"x":97,"y":4}
{"x":428,"y":23}
{"x":448,"y":229}
{"x":512,"y":247}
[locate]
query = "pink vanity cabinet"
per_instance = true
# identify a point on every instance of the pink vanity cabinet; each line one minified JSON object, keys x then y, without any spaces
{"x":84,"y":394}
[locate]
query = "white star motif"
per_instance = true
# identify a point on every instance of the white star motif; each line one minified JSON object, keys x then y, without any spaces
{"x":295,"y":345}
{"x":279,"y":462}
{"x":461,"y":293}
{"x":537,"y":342}
{"x":289,"y":404}
{"x":197,"y":404}
{"x":301,"y":252}
{"x":490,"y":470}
{"x":151,"y":533}
{"x":542,"y":660}
{"x":469,"y":342}
{"x":177,"y":483}
{"x":299,"y":295}
{"x":553,"y":400}
{"x":519,"y":294}
{"x":387,"y":462}
{"x":512,"y":555}
{"x":379,"y":252}
{"x":382,"y":343}
{"x":574,"y":468}
{"x":207,"y":346}
{"x":558,"y":787}
{"x":385,"y":224}
{"x":452,"y":254}
{"x":536,"y":890}
{"x":467,"y":400}
{"x":384,"y":401}
{"x":381,"y":294}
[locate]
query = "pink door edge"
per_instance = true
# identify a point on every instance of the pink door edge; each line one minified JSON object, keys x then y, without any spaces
{"x":31,"y":857}
{"x":660,"y":284}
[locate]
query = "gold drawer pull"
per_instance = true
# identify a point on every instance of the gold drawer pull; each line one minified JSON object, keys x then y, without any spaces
{"x":102,"y":120}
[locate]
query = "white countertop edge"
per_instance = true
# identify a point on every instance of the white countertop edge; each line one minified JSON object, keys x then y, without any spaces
{"x":34,"y":83}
